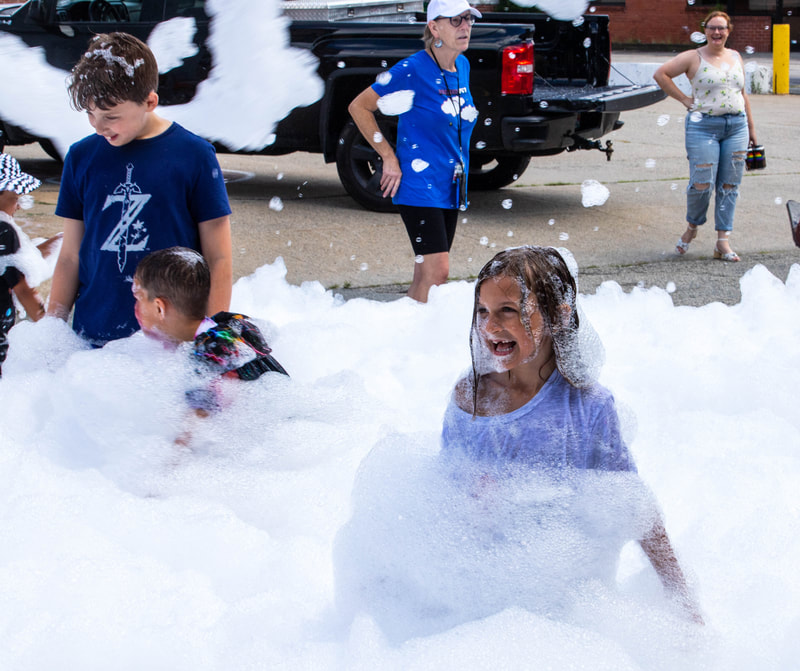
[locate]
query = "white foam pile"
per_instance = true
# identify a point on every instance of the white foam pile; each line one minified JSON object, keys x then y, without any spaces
{"x":313,"y":526}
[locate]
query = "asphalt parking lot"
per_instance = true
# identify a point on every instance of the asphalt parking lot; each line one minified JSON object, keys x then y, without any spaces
{"x":294,"y":207}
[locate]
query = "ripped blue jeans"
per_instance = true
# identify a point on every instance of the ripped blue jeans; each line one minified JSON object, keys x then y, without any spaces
{"x":716,"y":147}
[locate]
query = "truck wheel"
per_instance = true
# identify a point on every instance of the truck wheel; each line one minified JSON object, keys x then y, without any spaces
{"x":360,"y":167}
{"x":488,"y":173}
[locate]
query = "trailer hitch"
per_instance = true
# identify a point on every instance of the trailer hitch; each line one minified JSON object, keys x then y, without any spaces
{"x":579,"y":142}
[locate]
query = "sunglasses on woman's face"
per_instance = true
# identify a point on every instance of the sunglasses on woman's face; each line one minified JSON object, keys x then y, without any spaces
{"x":455,"y":21}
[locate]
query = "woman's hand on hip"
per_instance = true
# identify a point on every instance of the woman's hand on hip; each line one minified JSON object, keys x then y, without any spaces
{"x":390,"y":179}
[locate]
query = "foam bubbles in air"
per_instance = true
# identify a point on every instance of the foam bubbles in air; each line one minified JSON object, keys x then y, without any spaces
{"x":593,"y":193}
{"x":396,"y":103}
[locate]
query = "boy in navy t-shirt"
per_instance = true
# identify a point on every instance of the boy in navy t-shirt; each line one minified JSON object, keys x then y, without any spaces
{"x":141,"y":183}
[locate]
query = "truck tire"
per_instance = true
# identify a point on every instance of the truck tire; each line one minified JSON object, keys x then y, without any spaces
{"x":360,"y":167}
{"x":488,"y":173}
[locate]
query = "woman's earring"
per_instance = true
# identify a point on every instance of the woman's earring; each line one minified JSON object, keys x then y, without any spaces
{"x":438,"y":44}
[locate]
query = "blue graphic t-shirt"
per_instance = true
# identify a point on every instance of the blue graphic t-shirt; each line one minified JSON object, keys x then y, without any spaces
{"x":428,"y":131}
{"x":146,"y":195}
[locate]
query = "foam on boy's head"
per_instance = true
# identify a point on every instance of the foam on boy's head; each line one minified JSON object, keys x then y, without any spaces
{"x":178,"y":275}
{"x":116,"y":68}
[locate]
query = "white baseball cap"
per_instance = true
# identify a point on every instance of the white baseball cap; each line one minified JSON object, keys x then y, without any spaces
{"x":437,"y":8}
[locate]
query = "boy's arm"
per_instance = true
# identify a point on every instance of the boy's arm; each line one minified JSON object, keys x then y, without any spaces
{"x":184,"y":439}
{"x":30,"y":299}
{"x":65,"y":276}
{"x":659,"y":551}
{"x":215,"y":245}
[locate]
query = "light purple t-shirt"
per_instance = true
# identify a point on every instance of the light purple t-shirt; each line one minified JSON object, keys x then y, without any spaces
{"x":561,"y":427}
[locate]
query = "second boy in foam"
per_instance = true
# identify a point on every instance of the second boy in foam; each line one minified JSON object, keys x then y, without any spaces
{"x":171,"y":288}
{"x":141,"y":183}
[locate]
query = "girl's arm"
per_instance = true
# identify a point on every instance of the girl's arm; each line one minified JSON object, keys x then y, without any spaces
{"x":659,"y":551}
{"x":362,"y":109}
{"x":216,"y":247}
{"x":751,"y":127}
{"x":680,"y":65}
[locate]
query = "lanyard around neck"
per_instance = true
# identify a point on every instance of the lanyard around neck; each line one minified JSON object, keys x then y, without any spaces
{"x":456,"y":103}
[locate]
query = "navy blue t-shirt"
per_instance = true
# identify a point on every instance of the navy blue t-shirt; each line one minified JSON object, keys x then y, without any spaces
{"x":146,"y":195}
{"x":428,"y":131}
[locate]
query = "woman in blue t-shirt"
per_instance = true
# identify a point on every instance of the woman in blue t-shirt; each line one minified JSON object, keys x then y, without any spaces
{"x":426,"y":177}
{"x":531,"y":402}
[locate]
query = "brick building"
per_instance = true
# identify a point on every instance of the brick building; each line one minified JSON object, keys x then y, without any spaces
{"x":669,"y":23}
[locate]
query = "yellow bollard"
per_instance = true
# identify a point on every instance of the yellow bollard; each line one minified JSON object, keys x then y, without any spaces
{"x":780,"y":58}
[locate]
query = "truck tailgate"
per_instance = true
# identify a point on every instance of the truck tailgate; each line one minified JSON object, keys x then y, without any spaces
{"x":600,"y":99}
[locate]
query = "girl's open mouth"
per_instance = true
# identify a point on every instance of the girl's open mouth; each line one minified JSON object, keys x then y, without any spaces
{"x":503,"y":347}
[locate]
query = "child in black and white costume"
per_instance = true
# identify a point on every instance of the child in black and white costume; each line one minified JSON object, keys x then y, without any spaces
{"x":17,"y":252}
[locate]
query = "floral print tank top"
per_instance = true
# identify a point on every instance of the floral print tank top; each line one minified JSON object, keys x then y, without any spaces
{"x":718,"y":90}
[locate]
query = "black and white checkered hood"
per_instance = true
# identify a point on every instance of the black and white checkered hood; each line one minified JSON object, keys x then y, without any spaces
{"x":13,"y":179}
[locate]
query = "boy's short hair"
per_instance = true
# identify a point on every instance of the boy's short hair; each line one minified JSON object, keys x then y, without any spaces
{"x":116,"y":68}
{"x":180,"y":276}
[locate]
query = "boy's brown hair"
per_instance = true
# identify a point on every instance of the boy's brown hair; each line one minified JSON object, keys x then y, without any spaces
{"x":116,"y":68}
{"x":178,"y":275}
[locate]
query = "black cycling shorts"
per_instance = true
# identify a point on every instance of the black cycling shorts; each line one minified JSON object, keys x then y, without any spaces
{"x":430,"y":229}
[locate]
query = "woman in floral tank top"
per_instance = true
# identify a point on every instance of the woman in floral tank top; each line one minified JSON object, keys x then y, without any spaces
{"x":719,"y":127}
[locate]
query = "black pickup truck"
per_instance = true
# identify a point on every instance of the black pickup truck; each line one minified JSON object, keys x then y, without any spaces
{"x":540,"y":85}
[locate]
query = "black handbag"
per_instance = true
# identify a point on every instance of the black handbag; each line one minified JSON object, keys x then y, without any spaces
{"x":756,"y":158}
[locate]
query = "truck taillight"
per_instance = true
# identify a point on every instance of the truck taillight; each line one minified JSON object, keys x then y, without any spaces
{"x":517,"y":78}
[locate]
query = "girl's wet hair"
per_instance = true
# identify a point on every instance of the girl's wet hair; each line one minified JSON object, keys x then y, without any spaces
{"x":542,"y":273}
{"x":116,"y":68}
{"x":178,"y":275}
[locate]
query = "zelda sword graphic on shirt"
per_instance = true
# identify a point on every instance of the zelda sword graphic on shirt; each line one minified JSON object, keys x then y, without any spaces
{"x":129,"y":234}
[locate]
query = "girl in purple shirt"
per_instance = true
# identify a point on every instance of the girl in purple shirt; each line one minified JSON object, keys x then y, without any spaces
{"x":531,"y":400}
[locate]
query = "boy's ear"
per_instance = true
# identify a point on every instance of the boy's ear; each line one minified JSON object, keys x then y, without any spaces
{"x":151,"y":101}
{"x":565,"y":314}
{"x":161,"y":306}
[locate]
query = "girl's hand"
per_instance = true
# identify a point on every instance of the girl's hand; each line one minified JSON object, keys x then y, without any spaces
{"x":390,"y":179}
